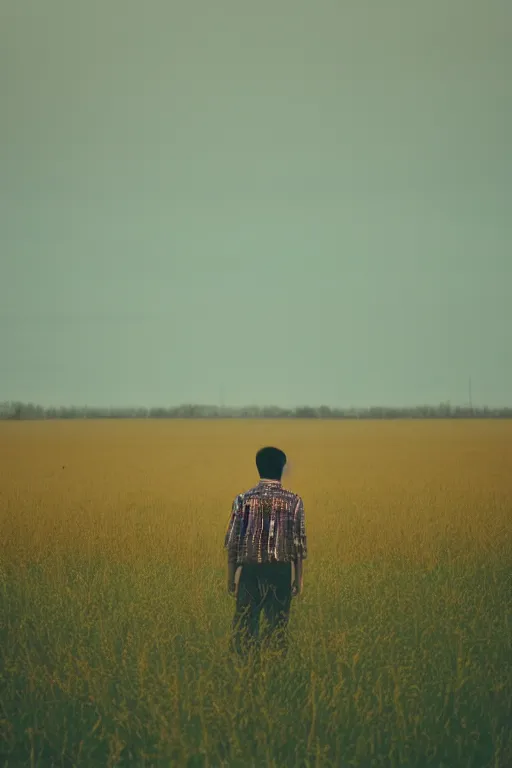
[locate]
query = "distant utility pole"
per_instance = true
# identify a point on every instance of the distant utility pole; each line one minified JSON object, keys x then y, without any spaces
{"x":470,"y":396}
{"x":222,"y":397}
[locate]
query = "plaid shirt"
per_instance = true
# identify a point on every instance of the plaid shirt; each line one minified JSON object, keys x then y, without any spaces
{"x":266,"y":525}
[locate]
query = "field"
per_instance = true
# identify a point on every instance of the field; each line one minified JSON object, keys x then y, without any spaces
{"x":114,"y":617}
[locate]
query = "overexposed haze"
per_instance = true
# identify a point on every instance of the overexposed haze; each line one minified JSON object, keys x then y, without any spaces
{"x":279,"y":201}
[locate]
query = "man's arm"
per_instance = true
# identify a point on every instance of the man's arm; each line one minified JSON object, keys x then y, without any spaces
{"x":300,"y":546}
{"x":232,"y":569}
{"x":231,"y":542}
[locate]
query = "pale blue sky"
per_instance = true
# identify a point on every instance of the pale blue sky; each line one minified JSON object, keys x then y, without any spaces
{"x":300,"y":202}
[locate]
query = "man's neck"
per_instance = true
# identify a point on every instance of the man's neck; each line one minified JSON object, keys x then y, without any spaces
{"x":269,"y":480}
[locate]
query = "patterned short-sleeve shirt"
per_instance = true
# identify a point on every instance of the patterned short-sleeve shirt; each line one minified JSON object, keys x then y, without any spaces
{"x":266,"y":525}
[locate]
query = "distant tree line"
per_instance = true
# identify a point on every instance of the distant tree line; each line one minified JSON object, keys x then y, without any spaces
{"x":28,"y":411}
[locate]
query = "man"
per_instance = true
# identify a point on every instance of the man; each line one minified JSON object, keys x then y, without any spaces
{"x":265,"y":536}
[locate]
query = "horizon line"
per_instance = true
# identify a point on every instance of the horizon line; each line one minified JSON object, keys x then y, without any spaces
{"x":448,"y":405}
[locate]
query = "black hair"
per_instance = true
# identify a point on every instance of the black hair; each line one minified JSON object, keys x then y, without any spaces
{"x":270,"y":463}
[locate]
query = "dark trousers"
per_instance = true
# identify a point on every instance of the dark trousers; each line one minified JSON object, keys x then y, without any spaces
{"x":262,"y":587}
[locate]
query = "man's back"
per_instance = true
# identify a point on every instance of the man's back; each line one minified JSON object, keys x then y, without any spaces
{"x":266,"y":525}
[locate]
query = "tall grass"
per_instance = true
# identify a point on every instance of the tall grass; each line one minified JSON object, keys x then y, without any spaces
{"x":115,"y":621}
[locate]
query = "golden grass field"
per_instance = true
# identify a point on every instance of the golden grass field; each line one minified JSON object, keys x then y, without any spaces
{"x":114,"y":617}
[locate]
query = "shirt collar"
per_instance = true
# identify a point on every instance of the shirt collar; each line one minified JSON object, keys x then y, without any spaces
{"x":267,"y":481}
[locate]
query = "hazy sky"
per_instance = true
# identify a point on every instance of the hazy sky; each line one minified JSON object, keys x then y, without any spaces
{"x":298,"y":202}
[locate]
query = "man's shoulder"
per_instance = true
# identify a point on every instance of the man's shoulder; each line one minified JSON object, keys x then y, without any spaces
{"x":290,"y":494}
{"x":279,"y":491}
{"x":246,"y":494}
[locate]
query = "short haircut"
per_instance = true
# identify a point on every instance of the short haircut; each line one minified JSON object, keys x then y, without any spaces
{"x":270,"y":463}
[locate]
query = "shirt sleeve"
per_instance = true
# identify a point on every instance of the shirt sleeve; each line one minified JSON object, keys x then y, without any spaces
{"x":299,"y":537}
{"x":232,"y":537}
